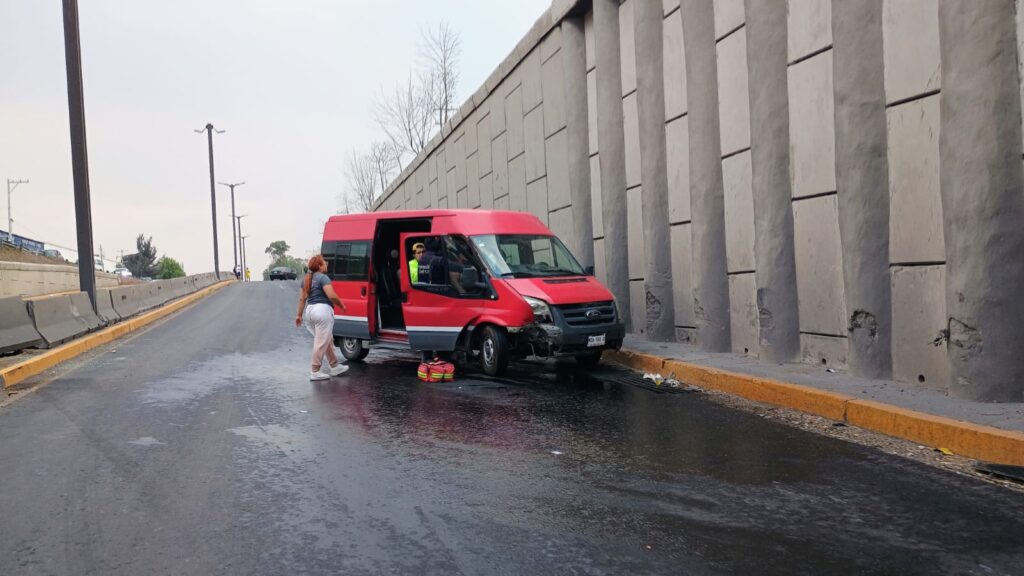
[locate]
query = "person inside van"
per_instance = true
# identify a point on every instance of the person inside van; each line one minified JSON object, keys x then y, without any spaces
{"x":418,"y":250}
{"x":433,"y":265}
{"x":315,"y":310}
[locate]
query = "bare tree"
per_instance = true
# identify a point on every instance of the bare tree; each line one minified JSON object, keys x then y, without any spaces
{"x":360,"y":184}
{"x":384,"y":158}
{"x":407,"y":116}
{"x":440,"y":50}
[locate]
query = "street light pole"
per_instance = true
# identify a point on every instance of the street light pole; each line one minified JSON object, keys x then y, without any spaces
{"x":242,"y":241}
{"x":10,"y":220}
{"x":239,"y":219}
{"x":79,"y":151}
{"x":209,"y":129}
{"x":234,"y":233}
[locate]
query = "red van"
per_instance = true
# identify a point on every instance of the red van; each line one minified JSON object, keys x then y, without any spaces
{"x":492,"y":285}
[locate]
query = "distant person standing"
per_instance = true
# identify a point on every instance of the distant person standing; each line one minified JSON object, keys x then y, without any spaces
{"x":238,"y":272}
{"x":248,"y":274}
{"x":316,"y":312}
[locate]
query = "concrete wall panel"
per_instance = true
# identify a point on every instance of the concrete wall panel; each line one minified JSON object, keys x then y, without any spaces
{"x":675,"y":65}
{"x":739,"y":213}
{"x":551,"y":44}
{"x":514,"y":124}
{"x":595,"y":196}
{"x":499,"y":166}
{"x":532,"y":81}
{"x":599,"y":265}
{"x":554,"y":95}
{"x":533,"y":134}
{"x":743,"y":316}
{"x":537,"y":199}
{"x":517,"y":183}
{"x":632,"y":133}
{"x":634,"y":215}
{"x":733,"y":95}
{"x":682,"y":279}
{"x":588,"y":32}
{"x":592,"y":110}
{"x":910,"y":30}
{"x":819,"y":273}
{"x":810,"y":26}
{"x":561,"y":223}
{"x":483,"y":142}
{"x":556,"y":151}
{"x":637,"y":298}
{"x":487,"y":191}
{"x":728,"y":15}
{"x":677,"y":145}
{"x":812,"y":126}
{"x":627,"y":46}
{"x":472,"y":181}
{"x":915,"y":224}
{"x":918,"y":319}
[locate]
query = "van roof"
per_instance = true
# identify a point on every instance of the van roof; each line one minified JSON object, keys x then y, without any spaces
{"x":459,"y":221}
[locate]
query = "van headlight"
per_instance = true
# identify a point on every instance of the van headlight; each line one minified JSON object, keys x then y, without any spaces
{"x":541,"y":310}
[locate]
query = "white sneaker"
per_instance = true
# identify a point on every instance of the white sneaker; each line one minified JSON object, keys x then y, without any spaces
{"x":337,"y":370}
{"x":318,"y":376}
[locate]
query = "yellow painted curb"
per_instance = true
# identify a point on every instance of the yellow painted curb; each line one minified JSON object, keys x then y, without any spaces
{"x":12,"y":375}
{"x":963,"y":438}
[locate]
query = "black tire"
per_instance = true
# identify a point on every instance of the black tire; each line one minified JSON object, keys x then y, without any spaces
{"x":494,"y":352}
{"x":589,"y":360}
{"x":352,"y":349}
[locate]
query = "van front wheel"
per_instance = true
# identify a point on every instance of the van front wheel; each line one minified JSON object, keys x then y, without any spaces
{"x":494,"y":351}
{"x":353,"y":349}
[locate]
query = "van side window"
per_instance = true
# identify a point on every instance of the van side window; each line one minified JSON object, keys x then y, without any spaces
{"x":347,"y":261}
{"x":443,"y":265}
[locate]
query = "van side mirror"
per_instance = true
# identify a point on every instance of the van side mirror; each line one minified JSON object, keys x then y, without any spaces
{"x":471,"y":278}
{"x":589,"y":270}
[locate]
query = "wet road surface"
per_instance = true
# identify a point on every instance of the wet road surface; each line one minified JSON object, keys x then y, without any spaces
{"x":199,"y":447}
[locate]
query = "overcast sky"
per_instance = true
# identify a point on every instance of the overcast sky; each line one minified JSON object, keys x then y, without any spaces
{"x":293,"y":83}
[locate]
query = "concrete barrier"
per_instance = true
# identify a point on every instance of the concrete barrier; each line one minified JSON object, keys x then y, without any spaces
{"x":82,"y":308}
{"x":125,"y":300}
{"x":105,"y":306}
{"x":16,"y":328}
{"x":58,"y":320}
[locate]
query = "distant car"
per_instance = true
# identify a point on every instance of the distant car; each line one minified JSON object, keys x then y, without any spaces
{"x":123,"y":272}
{"x":53,"y":254}
{"x":146,"y":279}
{"x":282,"y":273}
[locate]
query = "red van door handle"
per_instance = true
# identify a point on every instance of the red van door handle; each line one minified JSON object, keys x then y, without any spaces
{"x":362,"y":291}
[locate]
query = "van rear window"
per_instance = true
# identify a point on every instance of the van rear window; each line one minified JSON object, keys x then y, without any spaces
{"x":347,"y":261}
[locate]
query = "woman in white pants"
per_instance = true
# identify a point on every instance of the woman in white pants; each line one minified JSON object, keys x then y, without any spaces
{"x":316,"y":311}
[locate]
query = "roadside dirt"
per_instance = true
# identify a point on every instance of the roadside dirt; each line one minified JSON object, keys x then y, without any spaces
{"x":10,"y":254}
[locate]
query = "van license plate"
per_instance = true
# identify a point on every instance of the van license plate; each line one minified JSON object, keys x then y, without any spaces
{"x":597,"y":340}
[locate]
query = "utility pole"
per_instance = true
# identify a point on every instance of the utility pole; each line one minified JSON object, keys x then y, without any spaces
{"x":11,"y":185}
{"x":209,"y":129}
{"x":239,"y":219}
{"x":242,"y":240}
{"x":79,"y":151}
{"x":234,"y":233}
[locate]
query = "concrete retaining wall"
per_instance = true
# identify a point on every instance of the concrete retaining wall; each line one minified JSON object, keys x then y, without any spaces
{"x":23,"y":279}
{"x":791,"y":181}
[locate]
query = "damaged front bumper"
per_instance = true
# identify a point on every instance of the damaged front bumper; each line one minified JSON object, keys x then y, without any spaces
{"x":550,"y":339}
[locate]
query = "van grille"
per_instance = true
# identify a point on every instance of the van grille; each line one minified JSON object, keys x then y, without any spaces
{"x":584,"y":314}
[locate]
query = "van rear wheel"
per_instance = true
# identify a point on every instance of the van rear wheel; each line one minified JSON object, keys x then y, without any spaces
{"x":353,"y":349}
{"x":494,"y":351}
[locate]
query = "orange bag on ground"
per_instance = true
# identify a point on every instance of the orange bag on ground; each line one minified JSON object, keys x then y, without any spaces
{"x":436,"y":370}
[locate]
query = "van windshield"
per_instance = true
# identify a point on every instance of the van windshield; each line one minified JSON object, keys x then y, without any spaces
{"x":526,"y":256}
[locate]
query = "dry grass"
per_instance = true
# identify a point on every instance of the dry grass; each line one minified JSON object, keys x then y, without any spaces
{"x":12,"y":254}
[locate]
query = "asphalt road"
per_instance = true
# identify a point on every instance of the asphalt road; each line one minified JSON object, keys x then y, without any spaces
{"x":200,"y":447}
